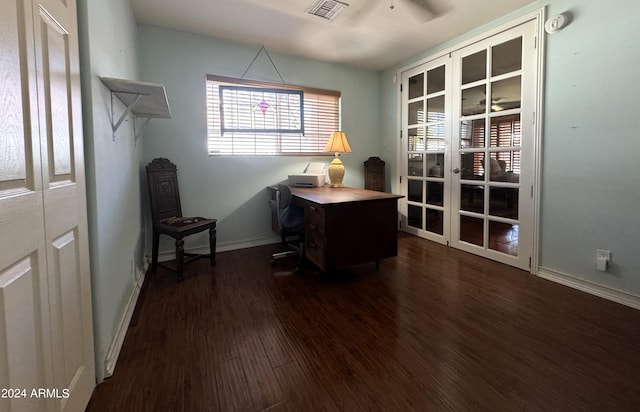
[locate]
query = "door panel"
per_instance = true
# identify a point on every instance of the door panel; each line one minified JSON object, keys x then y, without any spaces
{"x":55,"y":55}
{"x":24,"y":327}
{"x":468,"y":146}
{"x":425,"y":150}
{"x":492,"y":196}
{"x":67,"y":323}
{"x":64,"y":202}
{"x":21,"y":349}
{"x":46,"y":336}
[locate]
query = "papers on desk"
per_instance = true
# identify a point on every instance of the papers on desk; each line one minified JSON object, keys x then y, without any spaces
{"x":314,"y":175}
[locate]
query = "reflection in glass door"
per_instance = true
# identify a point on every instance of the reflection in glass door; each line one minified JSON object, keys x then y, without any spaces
{"x":426,"y":150}
{"x":468,"y":150}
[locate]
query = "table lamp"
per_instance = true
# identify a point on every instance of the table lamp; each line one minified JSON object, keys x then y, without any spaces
{"x":337,"y":144}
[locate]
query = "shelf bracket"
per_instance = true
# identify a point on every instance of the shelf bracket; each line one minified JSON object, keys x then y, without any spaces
{"x":126,"y":112}
{"x":137,"y":131}
{"x":140,"y":99}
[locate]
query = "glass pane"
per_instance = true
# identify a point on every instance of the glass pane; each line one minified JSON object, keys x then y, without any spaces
{"x":435,"y":80}
{"x":416,"y":86}
{"x":473,"y":101}
{"x":472,"y":166}
{"x":472,"y":133}
{"x":503,"y":202}
{"x":415,"y":140}
{"x":505,"y":167}
{"x":435,"y":137}
{"x":506,"y":57}
{"x":435,"y":191}
{"x":416,"y":112}
{"x":471,"y":230}
{"x":503,"y":237}
{"x":472,"y":198}
{"x":506,"y":131}
{"x":415,"y":190}
{"x":435,"y":222}
{"x":414,"y":216}
{"x":280,"y":110}
{"x":415,"y":165}
{"x":506,"y":94}
{"x":435,"y":164}
{"x":474,"y":67}
{"x":435,"y":109}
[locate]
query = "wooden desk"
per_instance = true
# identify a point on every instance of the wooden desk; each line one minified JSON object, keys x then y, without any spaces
{"x":348,"y":226}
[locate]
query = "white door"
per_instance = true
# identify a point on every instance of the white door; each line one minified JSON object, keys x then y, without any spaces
{"x":493,"y":146}
{"x":426,"y":98}
{"x":468,"y":167}
{"x":46,"y":333}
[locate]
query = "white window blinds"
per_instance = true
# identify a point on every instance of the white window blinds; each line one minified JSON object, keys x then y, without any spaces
{"x":256,"y":118}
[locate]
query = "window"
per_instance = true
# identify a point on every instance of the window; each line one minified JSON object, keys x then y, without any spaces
{"x":256,"y":118}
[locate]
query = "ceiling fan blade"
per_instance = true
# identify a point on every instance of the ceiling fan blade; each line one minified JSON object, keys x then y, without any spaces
{"x":430,"y":9}
{"x":363,"y":12}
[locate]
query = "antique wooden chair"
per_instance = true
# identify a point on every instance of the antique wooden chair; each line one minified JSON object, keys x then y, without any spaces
{"x":374,"y":174}
{"x":167,"y":219}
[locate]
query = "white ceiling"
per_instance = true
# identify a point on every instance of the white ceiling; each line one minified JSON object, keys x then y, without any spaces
{"x":368,"y":33}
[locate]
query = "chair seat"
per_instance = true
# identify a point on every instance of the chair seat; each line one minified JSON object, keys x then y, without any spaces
{"x":184,"y":225}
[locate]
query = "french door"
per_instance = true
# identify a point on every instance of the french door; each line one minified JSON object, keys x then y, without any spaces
{"x":468,"y":146}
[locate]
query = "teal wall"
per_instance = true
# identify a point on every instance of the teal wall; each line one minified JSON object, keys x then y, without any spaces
{"x":589,"y":187}
{"x":233,"y":189}
{"x":590,"y":146}
{"x":112,"y":167}
{"x":590,"y":181}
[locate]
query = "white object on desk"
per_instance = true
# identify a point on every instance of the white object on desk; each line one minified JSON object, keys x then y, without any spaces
{"x":316,"y":168}
{"x":315,"y":175}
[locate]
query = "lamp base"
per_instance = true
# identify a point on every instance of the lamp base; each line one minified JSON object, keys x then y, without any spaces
{"x":336,"y":172}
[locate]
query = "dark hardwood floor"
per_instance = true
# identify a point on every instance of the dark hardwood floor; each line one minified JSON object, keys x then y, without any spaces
{"x":434,"y":329}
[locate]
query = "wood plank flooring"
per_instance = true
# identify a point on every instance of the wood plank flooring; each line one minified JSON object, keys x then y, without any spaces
{"x":434,"y":329}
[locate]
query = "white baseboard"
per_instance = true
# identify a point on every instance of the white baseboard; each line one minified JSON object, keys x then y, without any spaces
{"x":225,"y":247}
{"x":121,"y":332}
{"x":605,"y":292}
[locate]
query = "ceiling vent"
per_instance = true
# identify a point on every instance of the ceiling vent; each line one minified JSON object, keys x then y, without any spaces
{"x":326,"y":9}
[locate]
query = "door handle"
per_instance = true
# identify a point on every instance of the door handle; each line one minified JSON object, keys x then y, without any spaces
{"x":456,"y":170}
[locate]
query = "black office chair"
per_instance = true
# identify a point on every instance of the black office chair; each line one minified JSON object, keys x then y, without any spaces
{"x":290,"y":218}
{"x":167,"y":219}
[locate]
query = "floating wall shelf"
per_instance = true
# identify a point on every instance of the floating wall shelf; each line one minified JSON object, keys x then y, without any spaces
{"x":145,"y":100}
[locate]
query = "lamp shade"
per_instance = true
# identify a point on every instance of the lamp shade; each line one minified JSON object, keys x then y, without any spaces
{"x":338,"y":143}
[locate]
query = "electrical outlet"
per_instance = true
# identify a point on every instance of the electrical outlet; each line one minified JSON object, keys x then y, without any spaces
{"x":604,"y":254}
{"x":603,"y":258}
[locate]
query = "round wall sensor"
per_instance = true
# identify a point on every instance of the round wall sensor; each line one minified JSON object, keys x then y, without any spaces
{"x":555,"y":23}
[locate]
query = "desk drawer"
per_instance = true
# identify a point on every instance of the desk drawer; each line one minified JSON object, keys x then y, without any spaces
{"x":313,"y":215}
{"x":314,"y":252}
{"x":314,"y":234}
